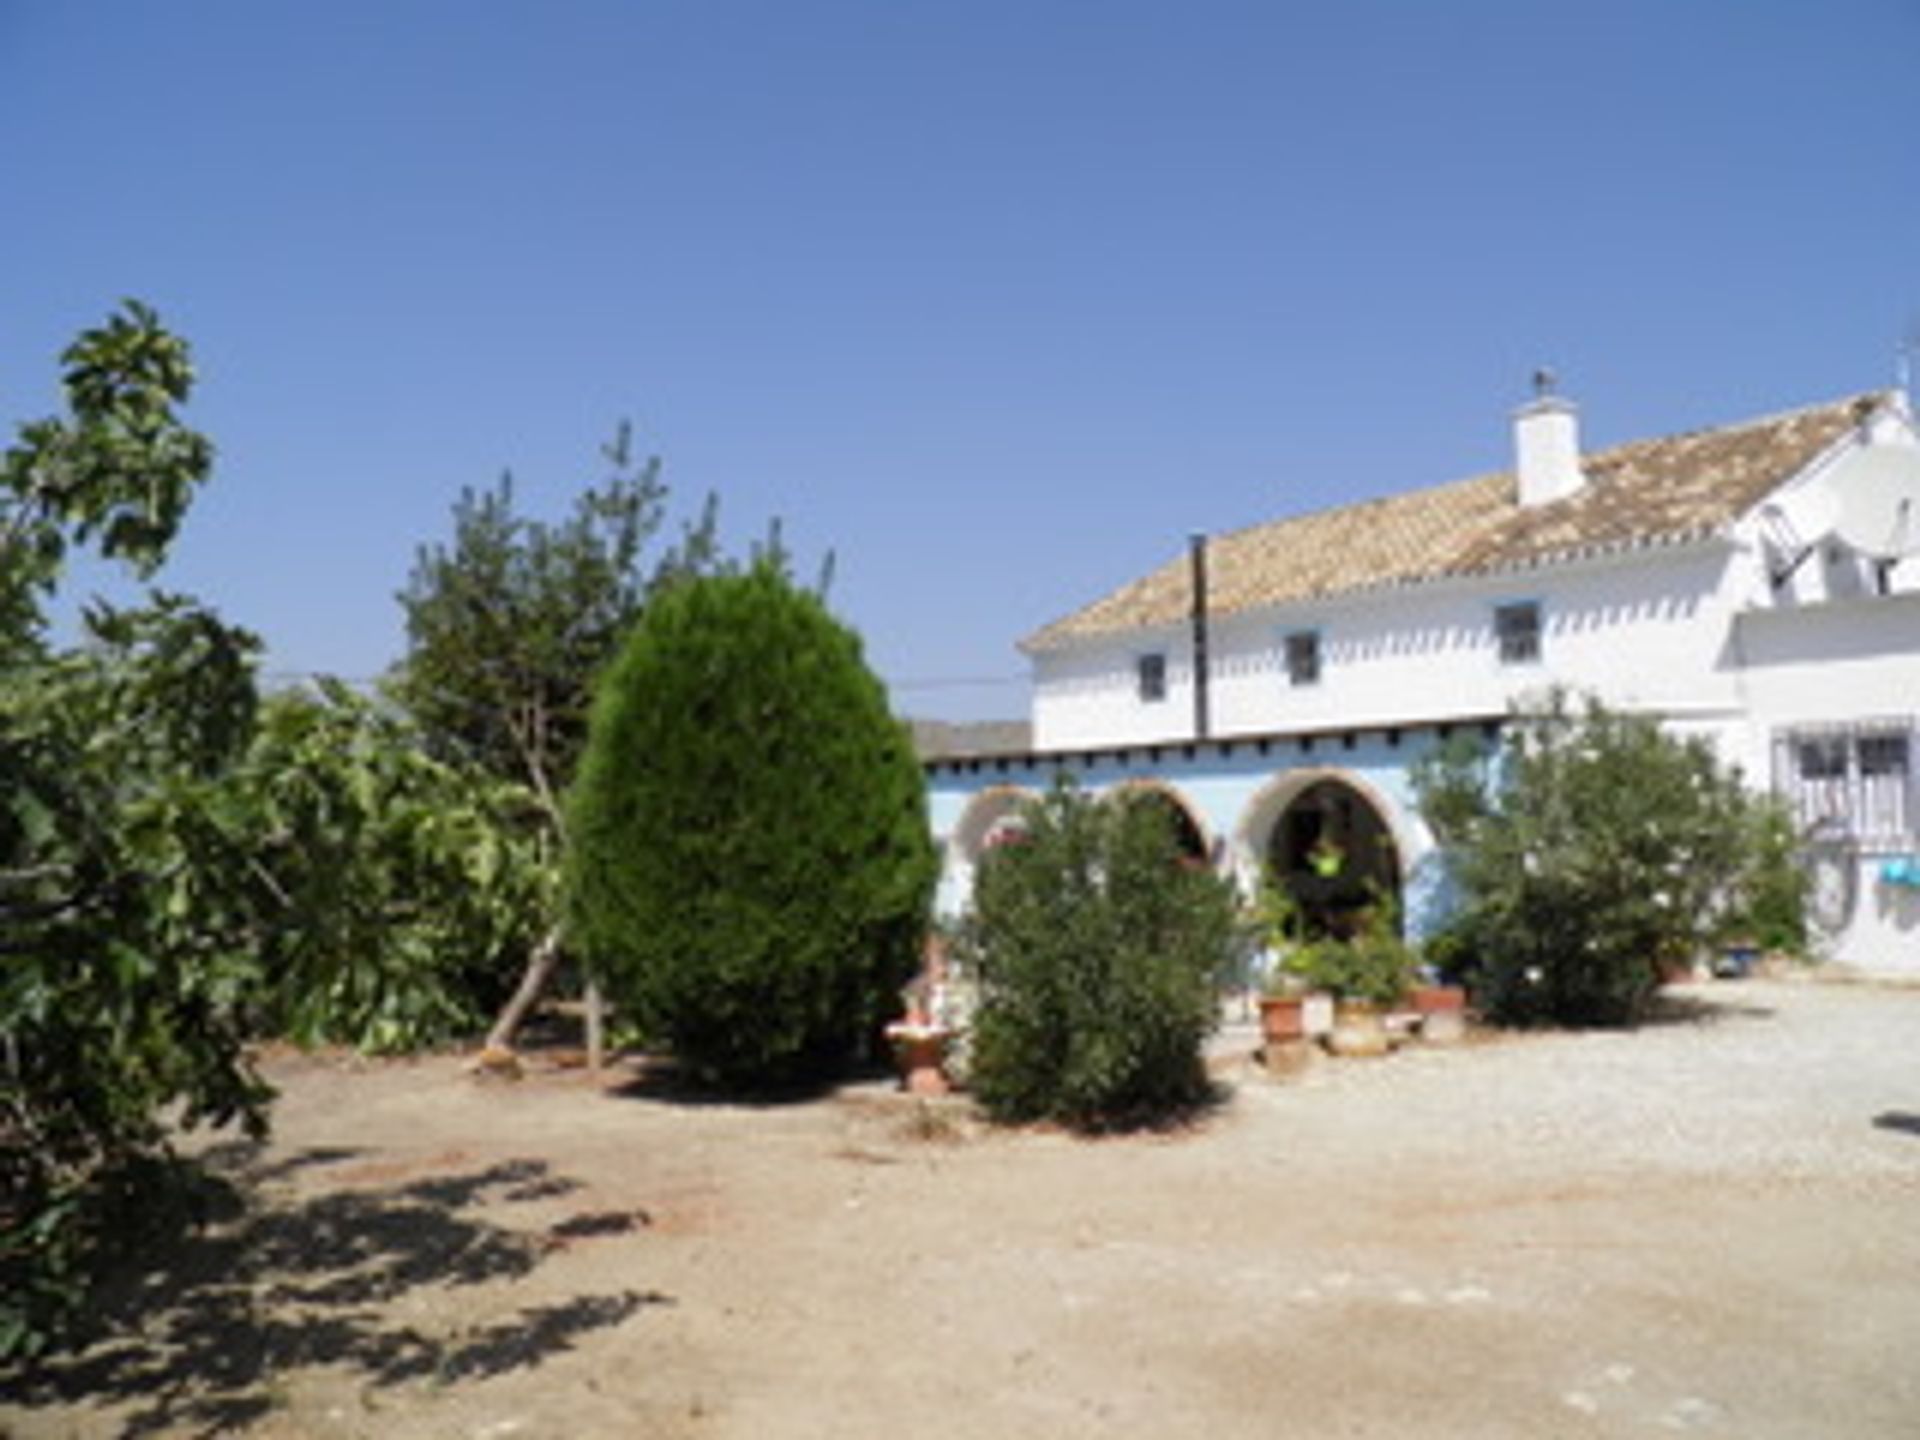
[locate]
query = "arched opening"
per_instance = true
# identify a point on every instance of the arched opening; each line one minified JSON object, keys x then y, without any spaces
{"x":1188,"y":834}
{"x":990,"y":818}
{"x":1334,"y":852}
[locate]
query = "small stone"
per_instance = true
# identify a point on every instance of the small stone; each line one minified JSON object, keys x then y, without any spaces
{"x":1690,"y":1412}
{"x":1581,"y":1401}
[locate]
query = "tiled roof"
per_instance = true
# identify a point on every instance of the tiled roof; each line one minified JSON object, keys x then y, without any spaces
{"x":953,"y":740}
{"x":1647,"y":493}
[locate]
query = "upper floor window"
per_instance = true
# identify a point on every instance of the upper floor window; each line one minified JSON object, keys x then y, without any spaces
{"x":1516,"y":629}
{"x":1150,"y":677}
{"x":1303,"y":658}
{"x":1858,"y":779}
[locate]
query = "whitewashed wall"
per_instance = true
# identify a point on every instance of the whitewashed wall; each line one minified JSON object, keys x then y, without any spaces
{"x":1646,"y":631}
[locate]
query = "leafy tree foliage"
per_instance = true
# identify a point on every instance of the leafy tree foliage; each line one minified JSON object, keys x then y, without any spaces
{"x":750,"y":865}
{"x":508,"y":628}
{"x":180,"y":865}
{"x":391,"y":887}
{"x":1594,"y":854}
{"x":510,"y":624}
{"x":116,"y":472}
{"x":1099,"y":954}
{"x":122,"y":922}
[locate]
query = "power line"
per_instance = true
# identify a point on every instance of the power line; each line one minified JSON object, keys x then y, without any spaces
{"x":955,"y":682}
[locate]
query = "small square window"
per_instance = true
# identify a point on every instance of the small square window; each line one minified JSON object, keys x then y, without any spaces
{"x":1517,"y":629}
{"x":1303,"y":658}
{"x":1150,"y":677}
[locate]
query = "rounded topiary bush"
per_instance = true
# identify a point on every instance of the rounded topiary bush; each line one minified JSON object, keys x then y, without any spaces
{"x":1099,"y":950}
{"x":749,"y":861}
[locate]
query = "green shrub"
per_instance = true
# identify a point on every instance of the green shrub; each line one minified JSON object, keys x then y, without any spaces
{"x":1375,"y":966}
{"x":750,"y":866}
{"x":1098,"y":953}
{"x":1767,"y":903}
{"x":1594,"y":855}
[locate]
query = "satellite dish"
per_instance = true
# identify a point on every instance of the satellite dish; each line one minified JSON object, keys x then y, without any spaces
{"x":1876,"y":493}
{"x":1805,"y":514}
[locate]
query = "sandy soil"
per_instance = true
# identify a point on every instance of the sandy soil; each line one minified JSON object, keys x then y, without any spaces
{"x":1711,"y":1226}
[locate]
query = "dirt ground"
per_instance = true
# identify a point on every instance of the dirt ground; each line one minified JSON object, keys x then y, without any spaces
{"x":1709,"y":1226}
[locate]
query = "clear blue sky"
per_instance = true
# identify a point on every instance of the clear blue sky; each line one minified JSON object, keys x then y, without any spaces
{"x":996,"y":300}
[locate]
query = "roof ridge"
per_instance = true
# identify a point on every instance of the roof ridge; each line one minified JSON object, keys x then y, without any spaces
{"x":1752,"y":422}
{"x":1457,"y":527}
{"x":1482,"y":477}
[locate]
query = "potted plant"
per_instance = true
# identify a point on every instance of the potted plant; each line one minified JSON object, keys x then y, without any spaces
{"x":922,"y":1037}
{"x":1366,"y":975}
{"x":1278,"y":925}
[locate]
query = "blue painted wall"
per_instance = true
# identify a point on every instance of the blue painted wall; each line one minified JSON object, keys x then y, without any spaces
{"x":1219,"y":785}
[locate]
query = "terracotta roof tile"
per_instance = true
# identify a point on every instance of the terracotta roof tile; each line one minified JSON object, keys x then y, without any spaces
{"x":1649,"y":492}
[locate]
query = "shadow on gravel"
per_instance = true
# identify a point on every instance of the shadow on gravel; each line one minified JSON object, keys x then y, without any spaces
{"x":1670,"y":1009}
{"x":198,"y":1340}
{"x":1903,"y":1121}
{"x":658,"y":1078}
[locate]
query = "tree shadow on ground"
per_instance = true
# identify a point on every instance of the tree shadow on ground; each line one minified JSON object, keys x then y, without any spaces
{"x":661,"y":1079}
{"x":1668,"y":1008}
{"x":197,"y":1339}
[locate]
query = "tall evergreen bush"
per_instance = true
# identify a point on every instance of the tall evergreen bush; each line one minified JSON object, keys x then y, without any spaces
{"x":1099,"y":950}
{"x":751,"y":866}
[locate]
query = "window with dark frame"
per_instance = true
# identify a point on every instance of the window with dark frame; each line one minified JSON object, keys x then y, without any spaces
{"x":1303,"y":657}
{"x":1822,"y":757}
{"x":1883,"y":756}
{"x":1857,"y":778}
{"x":1150,"y":677}
{"x":1516,"y":629}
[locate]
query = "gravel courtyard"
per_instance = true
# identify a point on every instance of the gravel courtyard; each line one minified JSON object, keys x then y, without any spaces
{"x":1711,"y":1226}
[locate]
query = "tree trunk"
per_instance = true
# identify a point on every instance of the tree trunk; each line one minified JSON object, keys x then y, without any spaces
{"x":540,"y":967}
{"x":596,"y":1027}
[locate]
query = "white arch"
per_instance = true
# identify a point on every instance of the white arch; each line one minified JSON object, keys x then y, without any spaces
{"x":1253,"y":832}
{"x":984,"y":812}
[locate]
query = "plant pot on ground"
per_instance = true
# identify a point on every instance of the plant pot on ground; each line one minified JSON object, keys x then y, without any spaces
{"x":1359,"y":1028}
{"x":1283,"y":1018}
{"x":1366,"y":975}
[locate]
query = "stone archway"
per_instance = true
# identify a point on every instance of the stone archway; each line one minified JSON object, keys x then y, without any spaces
{"x":1330,"y":839}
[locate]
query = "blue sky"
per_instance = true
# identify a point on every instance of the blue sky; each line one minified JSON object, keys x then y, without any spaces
{"x":996,"y":301}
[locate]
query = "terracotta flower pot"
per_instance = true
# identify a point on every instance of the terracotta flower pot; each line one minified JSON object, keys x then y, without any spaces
{"x":1282,"y":1018}
{"x":1358,"y":1029}
{"x":920,"y":1052}
{"x":1433,"y":999}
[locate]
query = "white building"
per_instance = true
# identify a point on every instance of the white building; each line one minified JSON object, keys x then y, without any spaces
{"x":1757,"y":583}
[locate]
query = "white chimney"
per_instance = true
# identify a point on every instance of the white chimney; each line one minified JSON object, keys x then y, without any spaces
{"x":1546,"y":442}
